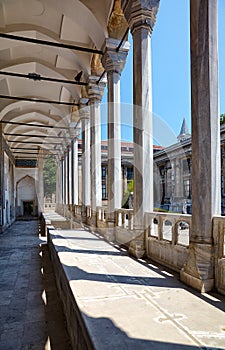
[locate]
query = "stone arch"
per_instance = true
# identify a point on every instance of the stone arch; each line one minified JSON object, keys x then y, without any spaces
{"x":26,"y":196}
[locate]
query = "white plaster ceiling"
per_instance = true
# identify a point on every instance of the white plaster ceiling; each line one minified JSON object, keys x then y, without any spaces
{"x":82,"y":23}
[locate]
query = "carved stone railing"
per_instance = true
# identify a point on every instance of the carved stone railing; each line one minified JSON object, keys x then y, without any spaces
{"x":101,"y":216}
{"x":168,"y":226}
{"x":219,"y":244}
{"x":101,"y":220}
{"x":166,"y":235}
{"x":89,"y":215}
{"x":124,"y":218}
{"x":77,"y":212}
{"x":59,"y":208}
{"x":167,"y":238}
{"x":124,"y":226}
{"x":49,"y":206}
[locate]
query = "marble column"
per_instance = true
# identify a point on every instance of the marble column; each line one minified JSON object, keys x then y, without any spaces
{"x":141,"y":15}
{"x":64,"y":182}
{"x":59,"y":184}
{"x":95,"y":93}
{"x":206,"y":198}
{"x":86,"y":158}
{"x":69,"y":177}
{"x":40,"y":182}
{"x":2,"y":186}
{"x":74,"y":171}
{"x":113,"y":62}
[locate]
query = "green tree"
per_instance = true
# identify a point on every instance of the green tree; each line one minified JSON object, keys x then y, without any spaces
{"x":125,"y":200}
{"x":49,"y":175}
{"x":222,"y":118}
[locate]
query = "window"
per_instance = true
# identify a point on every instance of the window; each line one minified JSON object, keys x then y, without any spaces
{"x":104,"y":172}
{"x":130,"y":173}
{"x":186,"y":165}
{"x":187,"y":188}
{"x":104,"y":191}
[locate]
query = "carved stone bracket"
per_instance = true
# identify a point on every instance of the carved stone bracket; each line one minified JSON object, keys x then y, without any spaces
{"x":112,"y":60}
{"x":84,"y":110}
{"x":117,"y":24}
{"x":95,"y":90}
{"x":140,"y":13}
{"x":198,"y":271}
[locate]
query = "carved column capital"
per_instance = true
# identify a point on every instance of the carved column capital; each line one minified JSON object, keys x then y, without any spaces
{"x":84,"y":110}
{"x":95,"y":90}
{"x":140,"y":13}
{"x":113,"y":60}
{"x":74,"y":131}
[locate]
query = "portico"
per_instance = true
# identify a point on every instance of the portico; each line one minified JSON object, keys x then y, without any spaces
{"x":54,"y":74}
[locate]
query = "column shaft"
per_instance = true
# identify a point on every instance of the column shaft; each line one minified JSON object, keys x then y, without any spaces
{"x":72,"y":172}
{"x":114,"y":62}
{"x":2,"y":186}
{"x":206,"y":200}
{"x":86,"y":161}
{"x":96,"y":176}
{"x":75,"y":172}
{"x":68,"y":176}
{"x":143,"y":144}
{"x":141,"y":16}
{"x":64,"y":179}
{"x":114,"y":144}
{"x":95,"y":93}
{"x":40,"y":182}
{"x":205,"y":119}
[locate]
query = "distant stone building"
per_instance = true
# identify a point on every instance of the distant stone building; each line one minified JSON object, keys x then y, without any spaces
{"x":127,"y":162}
{"x":172,"y":172}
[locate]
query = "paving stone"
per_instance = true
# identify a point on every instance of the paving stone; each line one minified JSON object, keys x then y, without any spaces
{"x":11,"y":344}
{"x":5,"y":295}
{"x":25,"y":320}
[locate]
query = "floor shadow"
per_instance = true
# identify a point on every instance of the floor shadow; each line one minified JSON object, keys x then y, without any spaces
{"x":75,"y":273}
{"x":55,"y":319}
{"x":168,"y":279}
{"x":108,"y":336}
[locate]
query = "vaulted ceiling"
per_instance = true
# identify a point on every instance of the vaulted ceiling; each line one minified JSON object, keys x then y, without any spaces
{"x":82,"y":23}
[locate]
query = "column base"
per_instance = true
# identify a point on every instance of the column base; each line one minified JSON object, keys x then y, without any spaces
{"x":137,"y":246}
{"x":93,"y":221}
{"x":110,"y":235}
{"x":84,"y":214}
{"x":198,"y":270}
{"x":201,"y":286}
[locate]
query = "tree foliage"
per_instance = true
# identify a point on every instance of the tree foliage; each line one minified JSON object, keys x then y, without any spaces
{"x":130,"y":189}
{"x":222,"y":118}
{"x":49,"y":175}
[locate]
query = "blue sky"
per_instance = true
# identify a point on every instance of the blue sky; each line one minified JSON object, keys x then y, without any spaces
{"x":170,"y":73}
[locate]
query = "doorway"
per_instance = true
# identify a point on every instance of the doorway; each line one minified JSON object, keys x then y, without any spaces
{"x":28,"y":208}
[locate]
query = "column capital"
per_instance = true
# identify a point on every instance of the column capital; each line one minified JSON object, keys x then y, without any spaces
{"x":113,"y":60}
{"x":140,"y":13}
{"x":84,"y":109}
{"x":95,"y":90}
{"x":74,"y":131}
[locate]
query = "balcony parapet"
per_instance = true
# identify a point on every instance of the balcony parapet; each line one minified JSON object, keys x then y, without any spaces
{"x":219,"y":249}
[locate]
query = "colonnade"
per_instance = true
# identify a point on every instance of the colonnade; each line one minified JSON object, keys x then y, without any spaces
{"x":141,"y":16}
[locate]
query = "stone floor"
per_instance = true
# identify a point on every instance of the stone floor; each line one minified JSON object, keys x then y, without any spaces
{"x":31,"y":314}
{"x":127,"y":304}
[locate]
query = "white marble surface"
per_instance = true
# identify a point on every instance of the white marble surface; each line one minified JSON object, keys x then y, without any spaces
{"x":128,"y":304}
